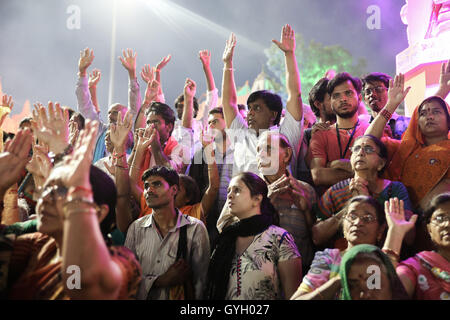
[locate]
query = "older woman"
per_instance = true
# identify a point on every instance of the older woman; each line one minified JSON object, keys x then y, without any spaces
{"x":422,"y":158}
{"x":426,"y":276}
{"x":364,"y":223}
{"x":253,"y":259}
{"x":75,"y":215}
{"x":368,"y":160}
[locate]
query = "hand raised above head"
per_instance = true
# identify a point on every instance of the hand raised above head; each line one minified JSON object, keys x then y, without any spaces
{"x":94,"y":78}
{"x":229,"y":49}
{"x":148,"y":73}
{"x":52,"y":129}
{"x":205,"y":57}
{"x":397,"y":91}
{"x":119,"y":132}
{"x":189,"y":88}
{"x":395,"y":216}
{"x":287,"y":43}
{"x":128,"y":60}
{"x":164,"y":61}
{"x":86,"y":58}
{"x":8,"y":103}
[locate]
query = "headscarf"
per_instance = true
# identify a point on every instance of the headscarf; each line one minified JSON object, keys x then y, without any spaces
{"x":398,"y":291}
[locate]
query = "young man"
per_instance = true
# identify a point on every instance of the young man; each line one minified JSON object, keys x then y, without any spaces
{"x":375,"y":94}
{"x":330,"y":149}
{"x":155,"y":240}
{"x":264,"y":108}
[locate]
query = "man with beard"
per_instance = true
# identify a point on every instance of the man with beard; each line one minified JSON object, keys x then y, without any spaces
{"x":330,"y":149}
{"x":375,"y":94}
{"x":155,"y":240}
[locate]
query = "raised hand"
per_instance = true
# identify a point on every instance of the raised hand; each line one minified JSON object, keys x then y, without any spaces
{"x":287,"y":43}
{"x":8,"y":104}
{"x":73,"y":132}
{"x":151,"y":92}
{"x":144,"y":139}
{"x":205,"y":57}
{"x":397,"y":91}
{"x":86,"y":58}
{"x":76,"y":167}
{"x":395,"y":216}
{"x":94,"y":78}
{"x":119,"y":132}
{"x":52,"y":129}
{"x":14,"y":159}
{"x":148,"y":73}
{"x":189,"y":88}
{"x":40,"y":164}
{"x":444,"y":80}
{"x":164,"y":61}
{"x":229,"y":49}
{"x":129,"y":62}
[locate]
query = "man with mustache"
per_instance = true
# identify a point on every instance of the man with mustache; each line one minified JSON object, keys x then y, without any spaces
{"x":331,"y":149}
{"x":375,"y":94}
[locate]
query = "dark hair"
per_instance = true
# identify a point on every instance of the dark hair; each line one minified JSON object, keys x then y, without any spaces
{"x":341,"y":78}
{"x":376,"y":76}
{"x":168,"y":174}
{"x":434,"y":204}
{"x":25,"y":120}
{"x":217,"y":110}
{"x":379,"y":210}
{"x":181,"y":99}
{"x":441,"y":102}
{"x":317,"y":93}
{"x":105,"y":192}
{"x":242,"y":107}
{"x":79,"y":119}
{"x":258,"y":186}
{"x":191,"y":187}
{"x":163,"y":110}
{"x":383,"y":150}
{"x":272,"y":100}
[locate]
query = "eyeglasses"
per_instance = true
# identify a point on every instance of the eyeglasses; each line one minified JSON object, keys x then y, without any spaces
{"x":378,"y":90}
{"x":367,"y":149}
{"x":440,"y":220}
{"x":55,"y":192}
{"x":351,"y":217}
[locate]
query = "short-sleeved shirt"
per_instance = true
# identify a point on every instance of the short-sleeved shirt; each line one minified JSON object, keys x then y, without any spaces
{"x":324,"y":143}
{"x":245,"y":141}
{"x":325,"y":266}
{"x":254,"y":274}
{"x":336,"y":197}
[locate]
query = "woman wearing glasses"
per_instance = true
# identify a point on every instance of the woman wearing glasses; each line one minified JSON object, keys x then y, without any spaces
{"x":368,"y":160}
{"x":364,"y":222}
{"x":426,"y":276}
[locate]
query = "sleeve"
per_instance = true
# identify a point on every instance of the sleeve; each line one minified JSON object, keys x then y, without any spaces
{"x":85,"y":105}
{"x":333,"y":200}
{"x":131,"y":271}
{"x":20,"y":228}
{"x":210,"y":103}
{"x":319,"y":272}
{"x":406,"y":268}
{"x":200,"y":253}
{"x":324,"y":208}
{"x":400,"y":191}
{"x":134,"y":97}
{"x":238,"y":123}
{"x":293,"y":130}
{"x":317,"y":145}
{"x":288,"y":249}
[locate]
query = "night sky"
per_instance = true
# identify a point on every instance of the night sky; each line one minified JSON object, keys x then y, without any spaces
{"x":39,"y":54}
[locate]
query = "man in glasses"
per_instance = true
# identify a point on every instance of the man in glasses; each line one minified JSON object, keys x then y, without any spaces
{"x":375,"y":95}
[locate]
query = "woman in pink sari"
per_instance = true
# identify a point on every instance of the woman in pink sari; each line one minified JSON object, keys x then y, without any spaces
{"x":426,"y":276}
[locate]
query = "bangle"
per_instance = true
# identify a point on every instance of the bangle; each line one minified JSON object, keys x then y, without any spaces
{"x":390,"y":252}
{"x":77,"y":202}
{"x":118,"y":155}
{"x":121,"y":167}
{"x":228,"y":69}
{"x":386,"y":114}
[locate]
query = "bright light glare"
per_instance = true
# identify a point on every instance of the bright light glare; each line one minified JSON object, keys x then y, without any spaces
{"x":175,"y":16}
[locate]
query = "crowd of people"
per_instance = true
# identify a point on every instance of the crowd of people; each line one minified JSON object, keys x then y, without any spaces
{"x":228,"y":202}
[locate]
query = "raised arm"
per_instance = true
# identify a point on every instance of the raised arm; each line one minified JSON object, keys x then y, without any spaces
{"x":294,"y":102}
{"x":211,"y":94}
{"x":85,"y":105}
{"x":83,"y":244}
{"x":396,"y":94}
{"x":229,"y":95}
{"x":8,"y":104}
{"x":189,"y":93}
{"x":210,"y":195}
{"x":94,"y":78}
{"x":128,"y":61}
{"x":444,"y":81}
{"x":164,"y":61}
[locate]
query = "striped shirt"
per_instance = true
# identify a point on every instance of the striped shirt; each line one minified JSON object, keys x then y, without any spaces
{"x":156,"y":254}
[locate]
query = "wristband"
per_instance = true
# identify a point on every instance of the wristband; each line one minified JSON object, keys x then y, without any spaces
{"x":228,"y":69}
{"x":76,"y":202}
{"x":73,"y":190}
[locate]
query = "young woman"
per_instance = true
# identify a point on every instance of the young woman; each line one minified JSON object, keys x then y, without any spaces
{"x":253,"y":258}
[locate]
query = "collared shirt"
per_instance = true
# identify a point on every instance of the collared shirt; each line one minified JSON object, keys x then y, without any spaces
{"x":245,"y":141}
{"x":156,"y":254}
